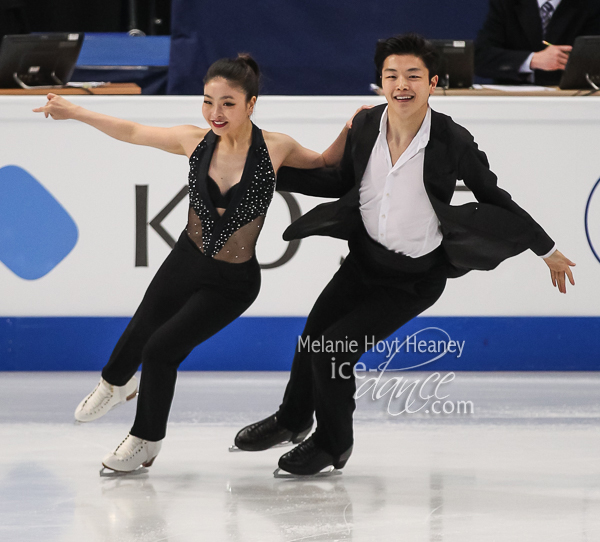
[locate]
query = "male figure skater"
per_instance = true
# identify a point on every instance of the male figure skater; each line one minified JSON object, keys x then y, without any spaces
{"x":399,"y":171}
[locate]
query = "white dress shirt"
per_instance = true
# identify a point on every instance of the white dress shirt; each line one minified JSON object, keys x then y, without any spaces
{"x":395,"y":208}
{"x":526,"y":66}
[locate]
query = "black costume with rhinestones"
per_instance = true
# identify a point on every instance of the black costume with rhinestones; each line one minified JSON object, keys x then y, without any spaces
{"x":209,"y":279}
{"x":219,"y":199}
{"x":232,"y":236}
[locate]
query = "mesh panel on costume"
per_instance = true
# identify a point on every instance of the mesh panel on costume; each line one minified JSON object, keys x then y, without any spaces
{"x":240,"y":245}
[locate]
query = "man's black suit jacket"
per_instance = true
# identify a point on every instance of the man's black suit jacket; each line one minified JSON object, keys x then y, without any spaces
{"x":475,"y":235}
{"x":513,"y":30}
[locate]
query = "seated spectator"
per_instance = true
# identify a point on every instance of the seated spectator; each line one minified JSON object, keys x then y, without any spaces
{"x":529,"y":41}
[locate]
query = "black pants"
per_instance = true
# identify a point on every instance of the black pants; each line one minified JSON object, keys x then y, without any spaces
{"x":191,"y":298}
{"x":365,"y":299}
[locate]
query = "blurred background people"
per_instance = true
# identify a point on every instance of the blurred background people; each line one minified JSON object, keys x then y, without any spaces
{"x":529,"y":41}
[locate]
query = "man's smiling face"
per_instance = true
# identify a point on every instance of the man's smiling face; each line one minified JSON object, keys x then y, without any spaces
{"x":406,"y":84}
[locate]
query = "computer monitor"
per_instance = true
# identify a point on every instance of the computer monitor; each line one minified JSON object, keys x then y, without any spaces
{"x":583,"y":67}
{"x":38,"y":60}
{"x":457,"y":63}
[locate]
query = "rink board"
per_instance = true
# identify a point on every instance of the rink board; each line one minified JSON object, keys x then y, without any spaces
{"x":79,"y":242}
{"x":269,"y":344}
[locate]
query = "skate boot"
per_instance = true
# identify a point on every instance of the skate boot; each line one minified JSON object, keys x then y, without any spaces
{"x":265,"y":434}
{"x":307,"y":459}
{"x":132,"y":454}
{"x":104,"y":397}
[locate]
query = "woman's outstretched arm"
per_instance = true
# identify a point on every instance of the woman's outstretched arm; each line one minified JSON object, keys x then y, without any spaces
{"x":177,"y":140}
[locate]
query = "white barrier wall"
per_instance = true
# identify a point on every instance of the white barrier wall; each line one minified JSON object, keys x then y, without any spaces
{"x":544,"y":150}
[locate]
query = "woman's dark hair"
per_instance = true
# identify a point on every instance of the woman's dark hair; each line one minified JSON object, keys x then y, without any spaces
{"x":242,"y":72}
{"x":407,"y":44}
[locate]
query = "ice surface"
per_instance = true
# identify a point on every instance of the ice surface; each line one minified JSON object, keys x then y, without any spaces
{"x":525,"y":466}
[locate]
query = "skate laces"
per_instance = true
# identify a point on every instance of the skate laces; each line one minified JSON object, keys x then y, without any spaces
{"x":304,"y":450}
{"x":266,"y":427}
{"x":101,"y":394}
{"x":129,"y":446}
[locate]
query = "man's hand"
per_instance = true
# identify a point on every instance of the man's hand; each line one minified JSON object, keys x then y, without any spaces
{"x":560,"y":266}
{"x":553,"y":57}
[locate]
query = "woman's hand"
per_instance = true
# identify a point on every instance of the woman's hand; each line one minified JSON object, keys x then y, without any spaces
{"x":58,"y":108}
{"x":349,"y":123}
{"x":295,"y":155}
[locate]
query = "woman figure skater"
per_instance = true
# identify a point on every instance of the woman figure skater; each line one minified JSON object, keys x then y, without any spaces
{"x":211,"y":276}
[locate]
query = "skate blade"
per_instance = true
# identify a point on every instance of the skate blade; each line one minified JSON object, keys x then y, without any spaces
{"x":234,"y":448}
{"x":326,"y":473}
{"x":109,"y":473}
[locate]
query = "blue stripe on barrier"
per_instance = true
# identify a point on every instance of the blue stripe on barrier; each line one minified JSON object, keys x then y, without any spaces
{"x":268,"y":343}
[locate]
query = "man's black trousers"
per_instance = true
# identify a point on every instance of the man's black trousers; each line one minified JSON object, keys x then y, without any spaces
{"x":365,"y":300}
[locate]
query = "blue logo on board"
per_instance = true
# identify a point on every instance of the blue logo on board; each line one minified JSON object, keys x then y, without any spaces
{"x":592,"y":220}
{"x":36,"y":233}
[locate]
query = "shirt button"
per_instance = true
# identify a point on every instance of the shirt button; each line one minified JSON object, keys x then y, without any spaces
{"x":382,"y":216}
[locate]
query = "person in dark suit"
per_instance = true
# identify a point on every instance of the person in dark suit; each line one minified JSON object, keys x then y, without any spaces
{"x":396,"y":180}
{"x":529,"y":41}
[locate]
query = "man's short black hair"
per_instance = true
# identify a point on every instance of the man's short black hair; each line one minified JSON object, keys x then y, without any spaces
{"x":407,"y":44}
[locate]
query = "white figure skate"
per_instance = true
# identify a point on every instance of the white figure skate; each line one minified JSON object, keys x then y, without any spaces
{"x":104,"y":398}
{"x":131,"y":454}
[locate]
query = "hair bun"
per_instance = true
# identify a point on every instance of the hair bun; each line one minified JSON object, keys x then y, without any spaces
{"x":242,"y":72}
{"x":250,"y":62}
